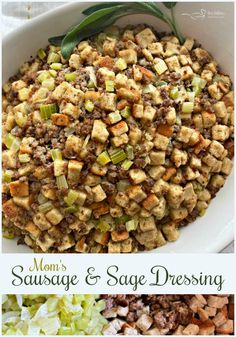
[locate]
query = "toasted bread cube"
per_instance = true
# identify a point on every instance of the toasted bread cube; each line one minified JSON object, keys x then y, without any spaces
{"x":10,"y":209}
{"x":161,"y":142}
{"x":74,"y":61}
{"x":84,"y":213}
{"x":137,"y":110}
{"x":161,"y":187}
{"x":149,"y":114}
{"x":175,"y":195}
{"x":73,"y":144}
{"x":227,"y":166}
{"x":179,"y":157}
{"x":216,"y":149}
{"x":217,"y":181}
{"x":41,"y":222}
{"x":184,"y":134}
{"x":19,"y":189}
{"x":157,"y":157}
{"x":136,"y":193}
{"x":67,"y":243}
{"x":121,"y":199}
{"x":155,"y":48}
{"x":60,"y":167}
{"x":220,"y":132}
{"x":109,"y":47}
{"x":120,"y":140}
{"x":114,"y":247}
{"x":219,"y":319}
{"x":32,"y":229}
{"x":81,"y":198}
{"x":70,"y":109}
{"x":214,"y":91}
{"x":159,"y":211}
{"x":217,"y":302}
{"x":128,"y":94}
{"x":45,"y":243}
{"x":129,"y":55}
{"x":25,"y":146}
{"x":119,"y":128}
{"x":60,"y":119}
{"x":160,"y":66}
{"x":22,"y":202}
{"x":48,"y":192}
{"x":99,"y":131}
{"x":137,"y":175}
{"x":119,"y":235}
{"x":147,"y":224}
{"x":9,"y":159}
{"x":121,"y":80}
{"x":98,"y":169}
{"x":186,"y":73}
{"x":178,"y":214}
{"x":209,"y":119}
{"x":74,"y":169}
{"x":189,"y":42}
{"x":66,"y":92}
{"x":144,"y":322}
{"x":173,"y":63}
{"x":156,"y":172}
{"x":98,"y":193}
{"x":171,"y":231}
{"x":145,"y":37}
{"x":135,"y":136}
{"x":227,"y":328}
{"x":150,"y":202}
{"x":209,"y":160}
{"x":191,"y":329}
{"x":54,"y":216}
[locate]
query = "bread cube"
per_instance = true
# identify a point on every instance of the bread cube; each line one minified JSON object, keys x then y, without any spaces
{"x":129,"y":55}
{"x":137,"y":110}
{"x":171,"y":231}
{"x":214,"y":91}
{"x":74,"y":61}
{"x":160,"y":187}
{"x":227,"y":166}
{"x":159,"y":211}
{"x":184,"y":134}
{"x":74,"y":169}
{"x":54,"y":216}
{"x":216,"y":149}
{"x":220,"y":132}
{"x":23,"y":202}
{"x":186,"y":72}
{"x":120,"y":140}
{"x":84,"y":213}
{"x":98,"y":193}
{"x":119,"y":128}
{"x":175,"y":195}
{"x":137,"y":176}
{"x":99,"y":131}
{"x":19,"y":188}
{"x":173,"y":63}
{"x":156,"y":172}
{"x":135,"y":135}
{"x":108,"y":101}
{"x":145,"y":37}
{"x":9,"y":159}
{"x":155,"y":48}
{"x":171,"y":116}
{"x":208,"y":118}
{"x":147,"y":224}
{"x":41,"y":222}
{"x":161,"y":142}
{"x":60,"y":167}
{"x":121,"y":199}
{"x":45,"y":242}
{"x":179,"y":157}
{"x":178,"y":214}
{"x":150,"y":202}
{"x":136,"y":193}
{"x":217,"y":181}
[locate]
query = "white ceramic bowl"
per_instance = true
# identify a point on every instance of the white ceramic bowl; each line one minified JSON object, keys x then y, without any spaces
{"x":211,"y":24}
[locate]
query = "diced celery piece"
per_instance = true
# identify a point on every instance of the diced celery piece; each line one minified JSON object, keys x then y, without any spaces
{"x":12,"y":142}
{"x":121,"y":64}
{"x":46,"y":110}
{"x":53,"y":58}
{"x":125,"y":112}
{"x":71,"y":209}
{"x":49,"y":84}
{"x":117,"y":156}
{"x":131,"y":225}
{"x":89,"y":106}
{"x":56,"y":154}
{"x":130,"y":152}
{"x":70,"y":77}
{"x":61,"y":182}
{"x":71,"y":197}
{"x":161,"y":83}
{"x":122,"y":219}
{"x":44,"y":75}
{"x":41,"y":54}
{"x":114,"y":117}
{"x":187,"y":107}
{"x":127,"y":164}
{"x":23,"y":94}
{"x":109,"y":85}
{"x":45,"y":207}
{"x":53,"y":72}
{"x":7,"y":175}
{"x":174,"y":93}
{"x":103,"y":158}
{"x":160,"y":67}
{"x":20,"y":118}
{"x":103,"y":226}
{"x":56,"y":66}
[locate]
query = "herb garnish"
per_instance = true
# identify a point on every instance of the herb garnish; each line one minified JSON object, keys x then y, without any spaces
{"x":100,"y":16}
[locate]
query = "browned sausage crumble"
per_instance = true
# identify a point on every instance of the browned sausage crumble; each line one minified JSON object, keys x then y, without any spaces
{"x":169,"y":315}
{"x":118,"y":147}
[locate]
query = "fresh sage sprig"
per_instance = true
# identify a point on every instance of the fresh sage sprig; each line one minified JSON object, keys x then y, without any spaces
{"x":100,"y":16}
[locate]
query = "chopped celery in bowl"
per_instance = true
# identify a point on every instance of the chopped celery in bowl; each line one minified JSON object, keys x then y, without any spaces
{"x":52,"y":315}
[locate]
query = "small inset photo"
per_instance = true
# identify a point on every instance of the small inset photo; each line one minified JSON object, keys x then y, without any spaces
{"x":118,"y":127}
{"x":118,"y":315}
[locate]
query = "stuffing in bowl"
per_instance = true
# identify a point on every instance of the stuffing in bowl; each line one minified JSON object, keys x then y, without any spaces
{"x":117,"y":147}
